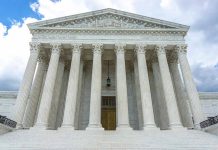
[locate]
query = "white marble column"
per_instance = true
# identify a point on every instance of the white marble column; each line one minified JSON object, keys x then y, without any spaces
{"x":61,"y":104}
{"x":78,"y":104}
{"x":33,"y":101}
{"x":147,"y":108}
{"x":72,"y":90}
{"x":190,"y":86}
{"x":173,"y":113}
{"x":45,"y":105}
{"x":23,"y":94}
{"x":95,"y":100}
{"x":138,"y":95}
{"x":56,"y":95}
{"x":180,"y":93}
{"x":122,"y":99}
{"x":163,"y":116}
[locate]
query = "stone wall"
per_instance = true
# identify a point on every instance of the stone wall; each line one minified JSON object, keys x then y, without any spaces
{"x":209,"y":101}
{"x":7,"y":101}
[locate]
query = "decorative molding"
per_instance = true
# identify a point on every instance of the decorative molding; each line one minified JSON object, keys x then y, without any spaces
{"x":96,"y":31}
{"x":108,"y":20}
{"x":105,"y":12}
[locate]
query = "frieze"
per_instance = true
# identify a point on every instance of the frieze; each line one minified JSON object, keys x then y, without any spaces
{"x":108,"y":21}
{"x":65,"y":31}
{"x":71,"y":36}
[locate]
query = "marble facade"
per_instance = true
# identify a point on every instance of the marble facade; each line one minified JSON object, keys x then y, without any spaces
{"x":66,"y":74}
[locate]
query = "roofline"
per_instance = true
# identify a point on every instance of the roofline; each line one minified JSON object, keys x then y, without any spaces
{"x":107,"y":10}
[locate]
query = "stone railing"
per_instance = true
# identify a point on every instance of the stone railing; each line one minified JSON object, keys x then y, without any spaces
{"x":7,"y":122}
{"x":209,"y":122}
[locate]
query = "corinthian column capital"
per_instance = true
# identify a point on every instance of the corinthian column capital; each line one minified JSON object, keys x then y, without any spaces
{"x":120,"y":48}
{"x":56,"y":48}
{"x":140,"y":48}
{"x":181,"y":49}
{"x":34,"y":47}
{"x":160,"y":49}
{"x":97,"y":48}
{"x":76,"y":48}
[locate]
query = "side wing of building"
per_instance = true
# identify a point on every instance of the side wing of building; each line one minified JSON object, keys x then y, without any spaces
{"x":209,"y":101}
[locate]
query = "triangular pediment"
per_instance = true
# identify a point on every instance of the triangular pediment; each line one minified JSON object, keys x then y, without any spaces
{"x":107,"y":19}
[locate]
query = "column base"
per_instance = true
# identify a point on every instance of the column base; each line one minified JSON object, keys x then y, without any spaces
{"x":150,"y":127}
{"x":94,"y":127}
{"x":176,"y":127}
{"x":19,"y":126}
{"x":40,"y":127}
{"x":124,"y":128}
{"x":66,"y":128}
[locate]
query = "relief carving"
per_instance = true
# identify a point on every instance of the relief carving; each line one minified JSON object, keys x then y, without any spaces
{"x":108,"y":21}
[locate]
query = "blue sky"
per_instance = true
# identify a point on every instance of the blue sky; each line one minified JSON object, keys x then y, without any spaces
{"x":200,"y":15}
{"x":15,"y":10}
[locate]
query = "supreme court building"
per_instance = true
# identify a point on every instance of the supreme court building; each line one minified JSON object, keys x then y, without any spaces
{"x":108,"y":70}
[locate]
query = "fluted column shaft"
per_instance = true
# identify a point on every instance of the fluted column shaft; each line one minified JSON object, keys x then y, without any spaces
{"x":181,"y":95}
{"x":190,"y":87}
{"x":173,"y":113}
{"x":31,"y":108}
{"x":26,"y":83}
{"x":45,"y":105}
{"x":71,"y":98}
{"x":122,"y":100}
{"x":56,"y":95}
{"x":95,"y":100}
{"x":147,"y":108}
{"x":164,"y":121}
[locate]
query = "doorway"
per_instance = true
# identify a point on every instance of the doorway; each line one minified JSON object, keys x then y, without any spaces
{"x":108,"y":112}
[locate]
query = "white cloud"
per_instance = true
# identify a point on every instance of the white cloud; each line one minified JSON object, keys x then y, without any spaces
{"x":14,"y":50}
